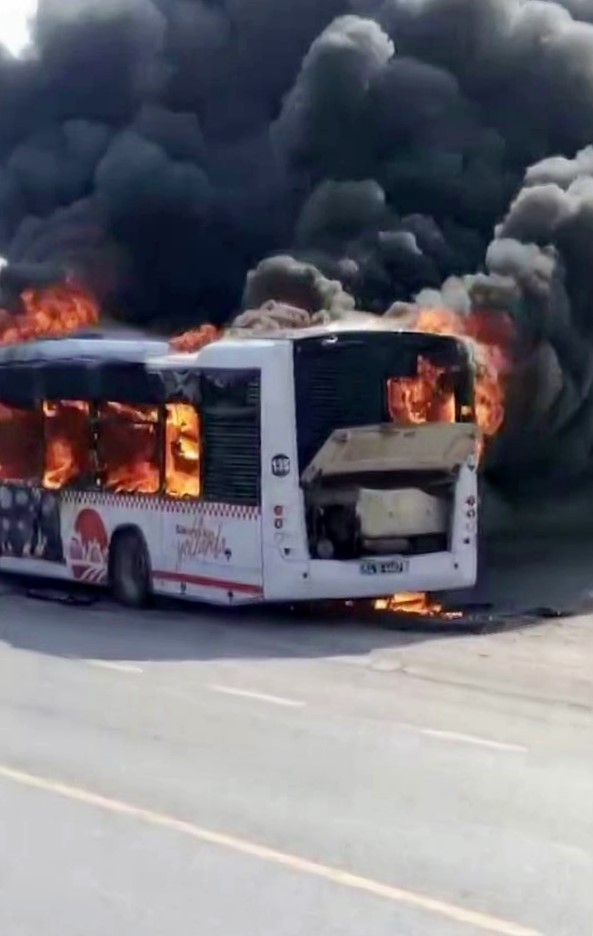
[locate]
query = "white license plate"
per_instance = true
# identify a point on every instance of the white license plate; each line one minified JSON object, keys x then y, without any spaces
{"x":384,"y":567}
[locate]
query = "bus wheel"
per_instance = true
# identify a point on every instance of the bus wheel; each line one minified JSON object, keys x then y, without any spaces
{"x":130,"y":569}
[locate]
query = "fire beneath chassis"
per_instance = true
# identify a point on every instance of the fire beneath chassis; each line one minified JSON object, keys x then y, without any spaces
{"x":417,"y":604}
{"x":72,"y":442}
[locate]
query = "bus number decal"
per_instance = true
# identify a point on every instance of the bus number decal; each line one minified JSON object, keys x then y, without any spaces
{"x":281,"y":466}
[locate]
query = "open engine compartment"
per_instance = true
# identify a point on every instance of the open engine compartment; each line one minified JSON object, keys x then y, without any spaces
{"x":377,"y":490}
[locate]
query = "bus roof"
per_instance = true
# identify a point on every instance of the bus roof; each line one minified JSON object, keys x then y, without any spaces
{"x":132,"y":370}
{"x":82,"y":348}
{"x":327,"y":330}
{"x":96,"y":348}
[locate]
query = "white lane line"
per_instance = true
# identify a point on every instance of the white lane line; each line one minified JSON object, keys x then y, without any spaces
{"x":297,"y":703}
{"x":258,"y":696}
{"x":352,"y":659}
{"x":295,"y":863}
{"x":116,"y":667}
{"x":471,"y":739}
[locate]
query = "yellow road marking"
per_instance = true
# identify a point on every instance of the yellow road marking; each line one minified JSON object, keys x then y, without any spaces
{"x":421,"y":902}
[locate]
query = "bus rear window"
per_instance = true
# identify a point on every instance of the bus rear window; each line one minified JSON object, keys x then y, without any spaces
{"x":21,"y":444}
{"x":371,"y":378}
{"x":128,"y":448}
{"x":68,"y":443}
{"x":182,"y":460}
{"x":429,"y":396}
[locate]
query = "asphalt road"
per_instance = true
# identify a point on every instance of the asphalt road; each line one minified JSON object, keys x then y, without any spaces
{"x":197,"y":772}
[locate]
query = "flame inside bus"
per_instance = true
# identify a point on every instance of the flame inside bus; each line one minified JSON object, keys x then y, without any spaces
{"x":57,"y":445}
{"x":428,"y":397}
{"x":493,"y":336}
{"x":21,"y":444}
{"x":128,"y":448}
{"x":67,"y":443}
{"x":182,"y":461}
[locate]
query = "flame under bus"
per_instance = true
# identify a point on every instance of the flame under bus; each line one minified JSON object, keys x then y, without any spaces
{"x":312,"y":465}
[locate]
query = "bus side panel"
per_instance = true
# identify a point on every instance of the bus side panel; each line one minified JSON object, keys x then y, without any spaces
{"x":67,"y":534}
{"x":206,"y":551}
{"x":197,"y":550}
{"x":284,"y":538}
{"x":211,"y":552}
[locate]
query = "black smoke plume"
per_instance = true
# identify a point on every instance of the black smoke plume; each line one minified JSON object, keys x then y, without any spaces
{"x":367,"y":151}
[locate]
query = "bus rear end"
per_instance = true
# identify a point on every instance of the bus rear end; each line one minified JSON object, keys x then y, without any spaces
{"x":387,"y":449}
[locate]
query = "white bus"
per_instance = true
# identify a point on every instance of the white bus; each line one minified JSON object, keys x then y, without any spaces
{"x":310,"y":465}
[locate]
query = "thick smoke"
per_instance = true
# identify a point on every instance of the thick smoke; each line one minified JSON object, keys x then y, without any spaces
{"x":191,"y":157}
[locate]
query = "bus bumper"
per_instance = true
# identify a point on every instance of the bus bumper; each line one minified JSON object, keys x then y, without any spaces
{"x":374,"y":577}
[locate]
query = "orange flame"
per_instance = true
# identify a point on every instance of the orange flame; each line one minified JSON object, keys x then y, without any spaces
{"x":195,"y":339}
{"x":127,"y":457}
{"x":182,"y":468}
{"x":127,"y":436}
{"x":428,"y":397}
{"x":128,"y":448}
{"x":415,"y":603}
{"x":492,"y":334}
{"x":21,"y":436}
{"x":67,"y":443}
{"x":50,"y":312}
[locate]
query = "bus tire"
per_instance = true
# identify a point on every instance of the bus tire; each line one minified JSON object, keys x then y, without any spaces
{"x":130,"y":572}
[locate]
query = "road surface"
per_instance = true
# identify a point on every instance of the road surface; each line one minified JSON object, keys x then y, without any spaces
{"x":194,"y":772}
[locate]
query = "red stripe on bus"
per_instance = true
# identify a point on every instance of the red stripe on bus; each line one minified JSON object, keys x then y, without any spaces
{"x":244,"y":587}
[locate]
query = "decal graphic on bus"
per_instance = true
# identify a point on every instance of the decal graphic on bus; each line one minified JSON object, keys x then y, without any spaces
{"x":89,"y":548}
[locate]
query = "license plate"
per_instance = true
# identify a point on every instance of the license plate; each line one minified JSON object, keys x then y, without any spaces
{"x":384,"y":567}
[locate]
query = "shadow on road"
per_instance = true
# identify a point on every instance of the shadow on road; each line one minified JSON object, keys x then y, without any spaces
{"x":518,"y":587}
{"x":182,"y":631}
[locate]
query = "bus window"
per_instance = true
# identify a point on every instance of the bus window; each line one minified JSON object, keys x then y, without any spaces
{"x":182,"y":458}
{"x":128,"y":448}
{"x":21,"y":444}
{"x":68,"y":443}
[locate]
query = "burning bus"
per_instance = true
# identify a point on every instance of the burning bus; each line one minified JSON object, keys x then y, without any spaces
{"x":308,"y":465}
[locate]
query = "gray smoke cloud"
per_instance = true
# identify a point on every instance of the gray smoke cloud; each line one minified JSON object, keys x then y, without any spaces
{"x":192,"y":158}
